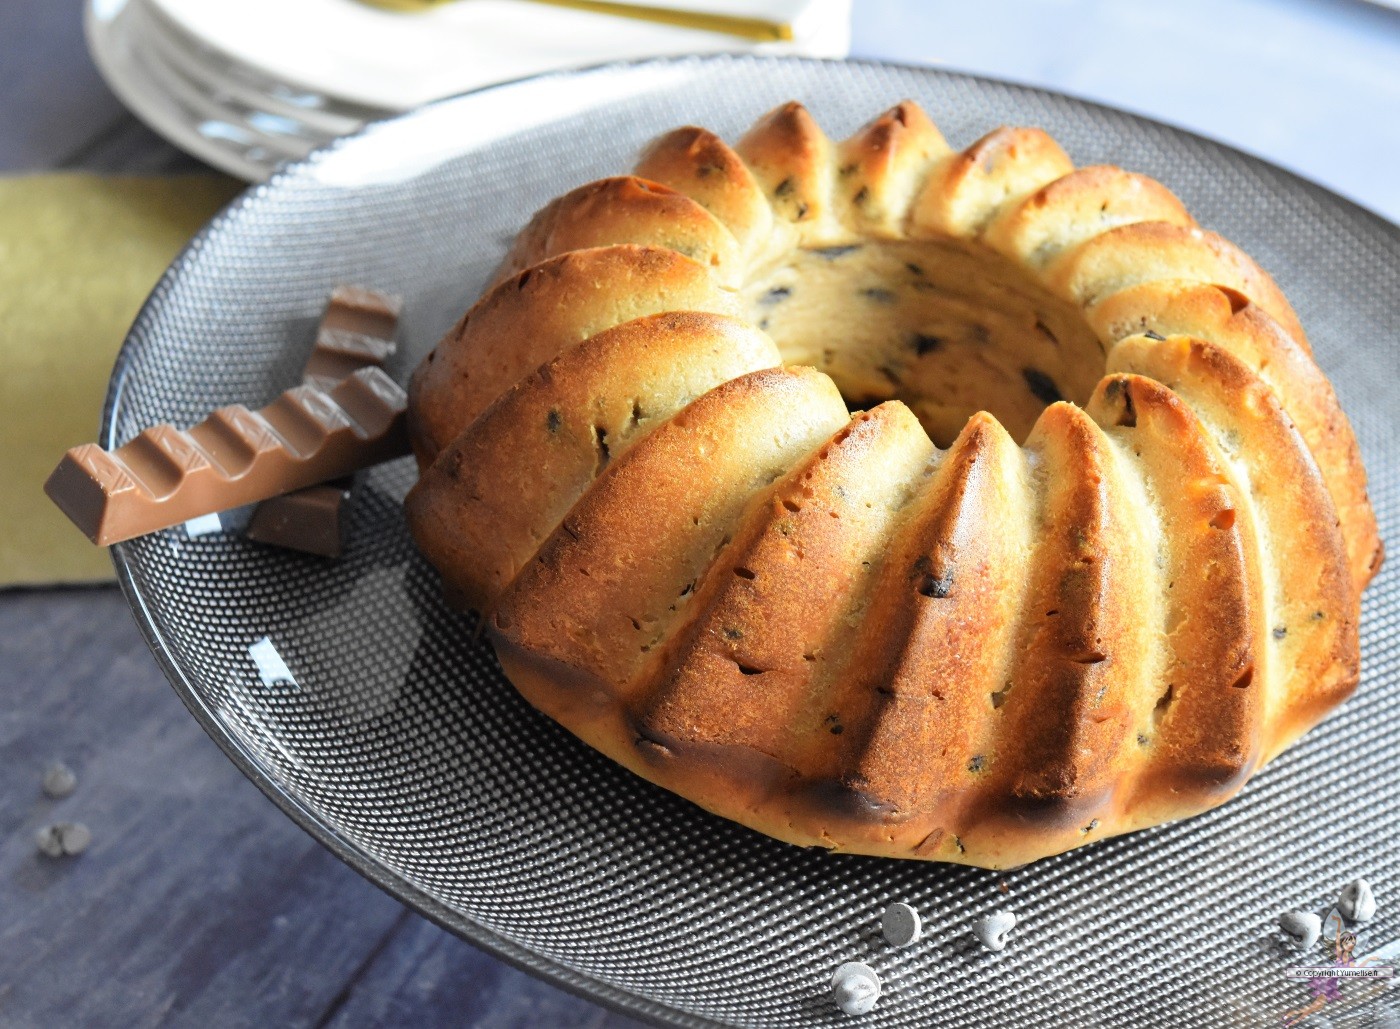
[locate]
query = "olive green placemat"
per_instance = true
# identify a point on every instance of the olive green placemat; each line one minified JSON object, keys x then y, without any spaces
{"x":78,"y":254}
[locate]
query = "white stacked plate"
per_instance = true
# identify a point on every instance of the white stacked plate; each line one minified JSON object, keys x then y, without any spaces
{"x":251,"y":85}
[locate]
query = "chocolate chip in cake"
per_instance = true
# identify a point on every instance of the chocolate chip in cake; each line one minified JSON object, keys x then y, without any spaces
{"x":1042,"y":387}
{"x":552,"y":421}
{"x":831,"y":253}
{"x":1152,"y":335}
{"x":930,"y":583}
{"x":776,"y":295}
{"x":878,"y":294}
{"x":925,"y":344}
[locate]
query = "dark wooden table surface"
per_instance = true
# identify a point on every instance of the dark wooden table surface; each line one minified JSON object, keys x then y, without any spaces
{"x":198,"y":902}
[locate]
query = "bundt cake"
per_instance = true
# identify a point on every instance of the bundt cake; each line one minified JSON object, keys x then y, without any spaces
{"x":896,"y":500}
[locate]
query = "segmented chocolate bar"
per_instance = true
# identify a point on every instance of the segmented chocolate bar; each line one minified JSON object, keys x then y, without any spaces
{"x":166,"y":476}
{"x":356,"y":331}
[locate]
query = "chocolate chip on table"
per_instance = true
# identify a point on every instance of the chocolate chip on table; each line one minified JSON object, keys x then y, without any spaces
{"x":1357,"y":902}
{"x":855,"y":988}
{"x":901,"y":925}
{"x":63,"y":839}
{"x":993,"y":930}
{"x":1303,"y":927}
{"x":1044,"y":330}
{"x":1042,"y":386}
{"x":59,"y":781}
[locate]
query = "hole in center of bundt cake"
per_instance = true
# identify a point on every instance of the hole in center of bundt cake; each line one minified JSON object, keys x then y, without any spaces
{"x":950,"y":328}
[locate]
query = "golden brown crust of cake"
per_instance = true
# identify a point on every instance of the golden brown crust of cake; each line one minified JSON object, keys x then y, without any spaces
{"x":699,"y":164}
{"x":822,"y":626}
{"x":1076,"y":207}
{"x":532,"y":316}
{"x":1230,"y":320}
{"x":791,"y":159}
{"x":760,"y":650}
{"x":624,"y":564}
{"x":1203,"y":730}
{"x":971,"y":186}
{"x":492,"y":496}
{"x":1312,"y":618}
{"x":625,"y":209}
{"x":882,"y":167}
{"x":948,"y":606}
{"x":1160,"y":251}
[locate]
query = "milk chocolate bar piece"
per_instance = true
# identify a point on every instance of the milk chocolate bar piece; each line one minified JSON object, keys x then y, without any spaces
{"x":311,"y":520}
{"x":356,"y":331}
{"x":338,"y":353}
{"x":361,"y":309}
{"x":166,"y":476}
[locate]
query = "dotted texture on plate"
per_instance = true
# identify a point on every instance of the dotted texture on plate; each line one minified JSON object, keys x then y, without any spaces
{"x":403,"y":748}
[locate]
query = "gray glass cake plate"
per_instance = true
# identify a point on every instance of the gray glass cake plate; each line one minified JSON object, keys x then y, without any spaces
{"x":402,"y":748}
